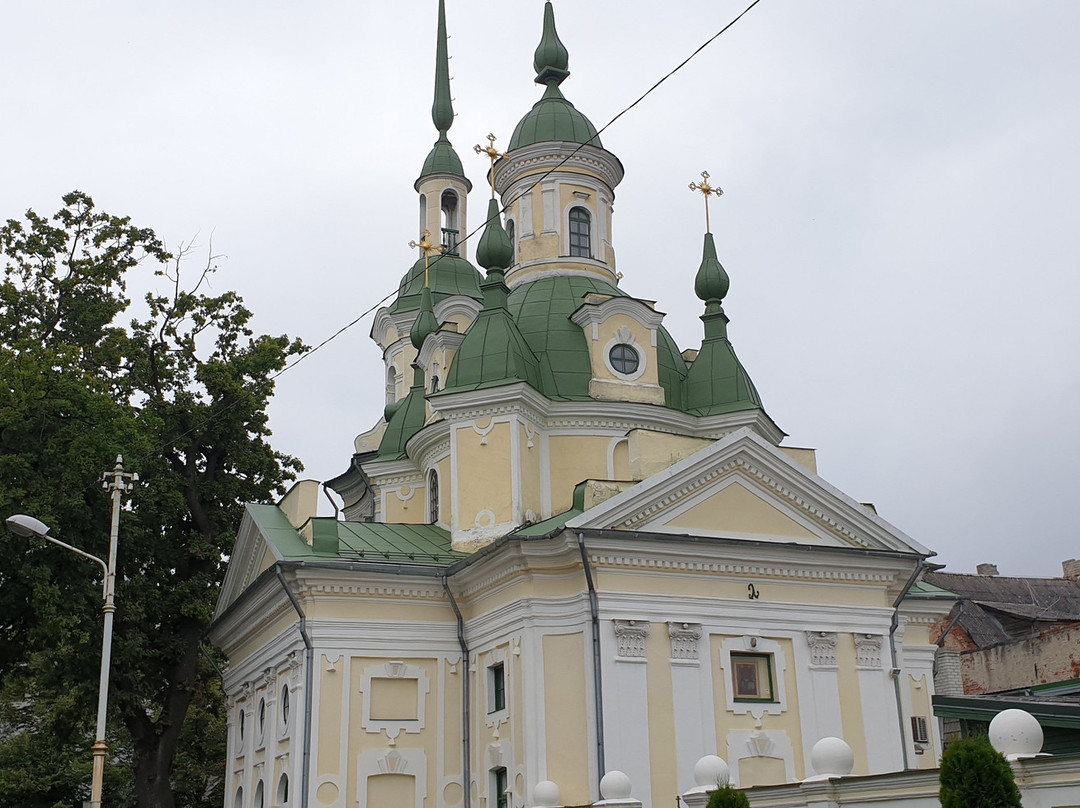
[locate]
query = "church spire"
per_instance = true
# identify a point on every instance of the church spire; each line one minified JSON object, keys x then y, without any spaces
{"x":551,"y":59}
{"x":442,"y":110}
{"x":716,"y":382}
{"x":442,"y":159}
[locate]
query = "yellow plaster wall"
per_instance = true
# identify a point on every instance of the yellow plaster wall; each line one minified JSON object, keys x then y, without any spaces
{"x":804,"y":457}
{"x":450,"y":717}
{"x":393,"y":699}
{"x":574,"y":459}
{"x":391,"y":790}
{"x":408,"y":512}
{"x":517,"y":705}
{"x":530,"y":473}
{"x":736,"y":509}
{"x":282,"y":623}
{"x":364,"y":607}
{"x":778,"y":590}
{"x":642,"y":338}
{"x":553,"y":583}
{"x":851,"y":717}
{"x":485,"y":481}
{"x":565,"y":716}
{"x":331,"y":712}
{"x":661,"y":712}
{"x":787,"y":722}
{"x":620,"y":460}
{"x":920,"y":705}
{"x":761,"y":771}
{"x":652,"y":452}
{"x":360,"y":740}
{"x":268,"y":560}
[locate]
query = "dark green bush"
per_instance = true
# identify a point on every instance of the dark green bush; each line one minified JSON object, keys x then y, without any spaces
{"x":975,"y":775}
{"x":728,"y":797}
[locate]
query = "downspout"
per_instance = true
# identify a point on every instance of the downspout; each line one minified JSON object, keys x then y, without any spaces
{"x":466,"y":697}
{"x":896,"y":670}
{"x":598,"y":682}
{"x":309,"y":663}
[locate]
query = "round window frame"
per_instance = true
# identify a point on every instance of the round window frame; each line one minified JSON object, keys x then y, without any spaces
{"x":631,"y":343}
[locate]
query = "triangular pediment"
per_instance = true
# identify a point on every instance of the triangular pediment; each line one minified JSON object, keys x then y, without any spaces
{"x":263,"y":530}
{"x":742,"y":486}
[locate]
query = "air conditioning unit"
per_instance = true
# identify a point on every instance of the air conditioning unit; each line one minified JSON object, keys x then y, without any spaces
{"x":920,"y":731}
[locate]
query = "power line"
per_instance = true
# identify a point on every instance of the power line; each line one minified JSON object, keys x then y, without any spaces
{"x":270,"y":379}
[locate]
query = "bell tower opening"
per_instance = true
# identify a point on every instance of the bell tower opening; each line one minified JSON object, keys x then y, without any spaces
{"x":449,"y":221}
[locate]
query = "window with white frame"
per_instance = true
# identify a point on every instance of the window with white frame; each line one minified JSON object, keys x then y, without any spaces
{"x":580,"y":232}
{"x":499,"y":783}
{"x":497,"y":687}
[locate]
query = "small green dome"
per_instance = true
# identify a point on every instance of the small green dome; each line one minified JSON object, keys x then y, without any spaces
{"x":554,"y":118}
{"x":542,"y":308}
{"x":448,"y":275}
{"x":442,"y":159}
{"x":711,"y":282}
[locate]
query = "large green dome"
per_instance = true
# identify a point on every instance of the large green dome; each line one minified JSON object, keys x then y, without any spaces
{"x":542,"y":310}
{"x":554,"y":118}
{"x":448,"y":275}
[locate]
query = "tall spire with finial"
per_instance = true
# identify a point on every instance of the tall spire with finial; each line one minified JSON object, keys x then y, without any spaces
{"x":716,"y":382}
{"x":442,"y":159}
{"x":553,"y":117}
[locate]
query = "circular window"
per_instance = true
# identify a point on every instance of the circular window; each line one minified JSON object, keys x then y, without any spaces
{"x":624,"y":359}
{"x":285,"y":705}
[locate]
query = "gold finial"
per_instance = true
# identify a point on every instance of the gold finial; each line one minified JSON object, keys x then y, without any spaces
{"x":706,"y":191}
{"x":493,"y":154}
{"x":427,"y":248}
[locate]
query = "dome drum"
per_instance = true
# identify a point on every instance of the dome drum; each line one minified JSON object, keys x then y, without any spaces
{"x":539,"y":158}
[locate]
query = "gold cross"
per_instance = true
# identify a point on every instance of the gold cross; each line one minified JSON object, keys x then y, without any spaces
{"x":707,"y":191}
{"x":493,"y":154}
{"x":427,"y":248}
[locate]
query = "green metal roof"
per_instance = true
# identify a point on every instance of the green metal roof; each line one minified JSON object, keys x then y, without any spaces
{"x":277,"y":530}
{"x":406,"y":421}
{"x":427,"y":545}
{"x":414,"y":544}
{"x":448,"y":275}
{"x":554,"y":118}
{"x":442,"y":159}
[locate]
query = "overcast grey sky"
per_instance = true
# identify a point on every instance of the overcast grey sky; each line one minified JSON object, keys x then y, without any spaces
{"x":899,"y":220}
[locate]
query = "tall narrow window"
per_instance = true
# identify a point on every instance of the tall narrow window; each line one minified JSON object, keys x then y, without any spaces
{"x":500,"y":783}
{"x":450,"y":227}
{"x":510,"y":233}
{"x":580,"y":233}
{"x":433,"y":497}
{"x":391,"y":384}
{"x":497,"y":680}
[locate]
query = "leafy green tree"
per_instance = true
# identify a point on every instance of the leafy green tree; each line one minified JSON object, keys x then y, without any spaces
{"x":181,"y":391}
{"x":975,"y":775}
{"x":728,"y":797}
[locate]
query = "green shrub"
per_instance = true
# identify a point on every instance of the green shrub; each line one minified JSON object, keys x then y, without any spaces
{"x":975,"y":775}
{"x":728,"y":797}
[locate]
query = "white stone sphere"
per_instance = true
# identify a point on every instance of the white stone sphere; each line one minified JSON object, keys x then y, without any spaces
{"x":711,"y":771}
{"x":615,"y":785}
{"x":832,"y":756}
{"x":1016,"y":733}
{"x":546,"y":794}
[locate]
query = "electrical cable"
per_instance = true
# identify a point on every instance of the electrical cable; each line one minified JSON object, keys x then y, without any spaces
{"x":289,"y":366}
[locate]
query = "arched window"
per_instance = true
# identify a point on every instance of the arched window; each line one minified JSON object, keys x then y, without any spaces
{"x":433,"y":497}
{"x":580,"y":232}
{"x":259,"y":801}
{"x":283,"y":790}
{"x":423,"y":214}
{"x":449,"y":219}
{"x":238,"y":801}
{"x":510,"y":233}
{"x":391,"y":384}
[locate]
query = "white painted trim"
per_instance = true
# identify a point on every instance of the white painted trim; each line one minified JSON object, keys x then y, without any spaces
{"x":754,"y":644}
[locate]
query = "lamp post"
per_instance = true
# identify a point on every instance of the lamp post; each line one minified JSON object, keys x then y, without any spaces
{"x":116,"y":482}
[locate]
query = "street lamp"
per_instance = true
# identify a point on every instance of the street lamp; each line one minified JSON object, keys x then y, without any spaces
{"x":23,"y":525}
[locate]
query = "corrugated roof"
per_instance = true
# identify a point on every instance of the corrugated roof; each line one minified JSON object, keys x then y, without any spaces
{"x":415,"y":544}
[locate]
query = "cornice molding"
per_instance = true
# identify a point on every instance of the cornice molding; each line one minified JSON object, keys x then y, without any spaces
{"x":567,"y":156}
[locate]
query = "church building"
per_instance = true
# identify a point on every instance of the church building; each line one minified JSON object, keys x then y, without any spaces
{"x":568,"y":547}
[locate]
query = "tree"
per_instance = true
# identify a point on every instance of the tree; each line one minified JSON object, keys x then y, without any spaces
{"x":975,"y":775}
{"x":727,"y":797}
{"x":181,"y":391}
